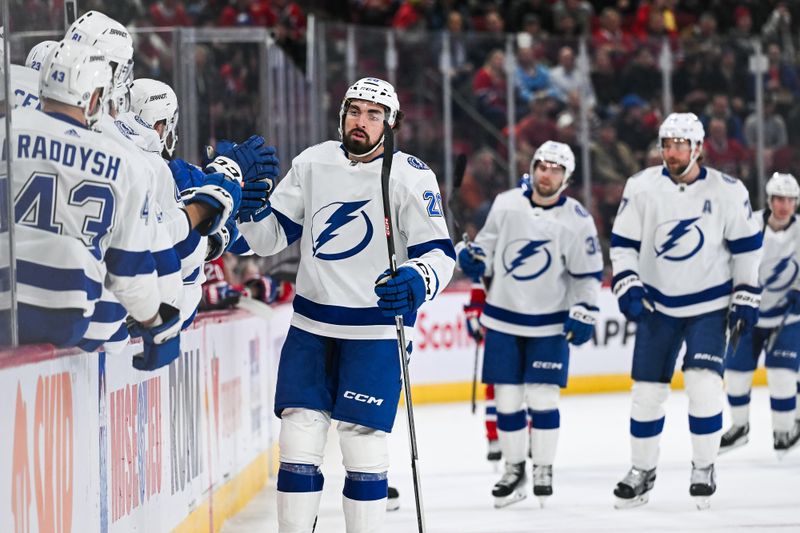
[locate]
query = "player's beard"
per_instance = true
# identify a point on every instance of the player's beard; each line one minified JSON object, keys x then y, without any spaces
{"x":355,"y":146}
{"x":546,"y":192}
{"x":676,"y":168}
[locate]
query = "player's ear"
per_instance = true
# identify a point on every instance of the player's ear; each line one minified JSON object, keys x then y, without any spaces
{"x":96,"y":100}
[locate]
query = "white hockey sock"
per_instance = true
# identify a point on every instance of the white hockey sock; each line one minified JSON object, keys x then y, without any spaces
{"x":647,"y":422}
{"x":704,"y":388}
{"x":299,"y":492}
{"x":364,"y":501}
{"x":782,"y":397}
{"x":544,"y":436}
{"x":737,"y":385}
{"x":512,"y":423}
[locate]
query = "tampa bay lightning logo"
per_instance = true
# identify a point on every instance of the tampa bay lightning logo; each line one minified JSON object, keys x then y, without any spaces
{"x":417,"y":163}
{"x":126,"y":130}
{"x":680,"y":239}
{"x":783,"y":273}
{"x":339,"y":230}
{"x":524,"y":259}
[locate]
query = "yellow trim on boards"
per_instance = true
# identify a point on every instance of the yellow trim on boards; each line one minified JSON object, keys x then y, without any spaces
{"x":462,"y":391}
{"x":231,"y":497}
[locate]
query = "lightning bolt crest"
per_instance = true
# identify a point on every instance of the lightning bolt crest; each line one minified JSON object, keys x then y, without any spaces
{"x":777,"y":270}
{"x":339,"y":218}
{"x":681,"y":228}
{"x":526,"y":252}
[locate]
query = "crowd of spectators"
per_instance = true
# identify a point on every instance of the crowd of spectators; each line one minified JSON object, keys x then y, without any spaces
{"x":710,"y":44}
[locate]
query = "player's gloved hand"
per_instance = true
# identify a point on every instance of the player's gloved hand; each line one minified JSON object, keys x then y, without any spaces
{"x":401,"y":294}
{"x":793,"y":301}
{"x":471,"y":259}
{"x":255,"y":201}
{"x":223,"y":145}
{"x":579,"y":326}
{"x":744,"y":307}
{"x":161,"y":340}
{"x":222,"y":195}
{"x":255,"y":158}
{"x":262,"y":288}
{"x":221,"y":240}
{"x":633,"y":300}
{"x":219,"y":295}
{"x":472,"y":312}
{"x":186,"y":175}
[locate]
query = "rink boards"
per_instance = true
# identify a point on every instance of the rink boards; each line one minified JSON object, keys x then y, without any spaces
{"x":91,"y":445}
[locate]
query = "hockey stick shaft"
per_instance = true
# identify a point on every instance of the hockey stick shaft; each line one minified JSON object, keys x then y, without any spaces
{"x":386,"y":170}
{"x":777,"y":333}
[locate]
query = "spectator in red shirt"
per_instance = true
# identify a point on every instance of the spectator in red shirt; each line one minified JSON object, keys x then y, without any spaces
{"x":489,"y":88}
{"x":169,"y":13}
{"x":610,"y":35}
{"x":724,"y":154}
{"x":410,"y":15}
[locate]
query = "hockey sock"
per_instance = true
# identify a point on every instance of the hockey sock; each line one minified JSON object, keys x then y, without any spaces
{"x":704,"y":388}
{"x":647,"y":422}
{"x":738,"y":386}
{"x":364,"y":501}
{"x":782,"y":397}
{"x":299,"y":492}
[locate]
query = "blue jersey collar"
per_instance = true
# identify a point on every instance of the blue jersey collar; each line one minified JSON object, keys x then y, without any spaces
{"x":66,"y":118}
{"x":529,"y":195}
{"x":701,"y":176}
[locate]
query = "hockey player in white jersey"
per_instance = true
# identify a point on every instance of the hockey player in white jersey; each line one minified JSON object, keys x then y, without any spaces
{"x":541,"y":251}
{"x":778,"y":330}
{"x":81,"y":218}
{"x":38,"y":53}
{"x":340,"y":360}
{"x":685,"y":249}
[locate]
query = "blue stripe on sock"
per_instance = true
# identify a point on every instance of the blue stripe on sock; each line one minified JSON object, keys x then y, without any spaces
{"x":511,"y":422}
{"x":783,"y":404}
{"x":299,"y":478}
{"x":545,"y":419}
{"x":643,"y":430}
{"x":365,"y":487}
{"x":704,"y":425}
{"x":736,"y":401}
{"x":491,"y":410}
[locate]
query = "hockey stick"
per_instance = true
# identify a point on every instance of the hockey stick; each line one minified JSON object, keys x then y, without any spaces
{"x":732,"y":338}
{"x":386,"y":169}
{"x":458,"y":178}
{"x":773,"y":338}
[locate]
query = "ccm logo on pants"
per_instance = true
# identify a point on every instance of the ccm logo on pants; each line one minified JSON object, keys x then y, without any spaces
{"x":547,"y":365}
{"x":363,"y":398}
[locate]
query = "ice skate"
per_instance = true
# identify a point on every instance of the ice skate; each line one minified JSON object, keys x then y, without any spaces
{"x":542,"y":482}
{"x":510,"y":488}
{"x":392,"y":499}
{"x":734,"y":437}
{"x":634,"y":489}
{"x":785,"y":441}
{"x":494,"y":453}
{"x":703,"y":485}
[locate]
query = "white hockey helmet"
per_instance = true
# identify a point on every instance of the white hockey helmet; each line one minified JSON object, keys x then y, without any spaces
{"x":38,"y":53}
{"x":71,"y":73}
{"x":155,"y":101}
{"x":683,"y":126}
{"x":372,"y":90}
{"x":113,"y":39}
{"x":558,"y":153}
{"x":781,"y":184}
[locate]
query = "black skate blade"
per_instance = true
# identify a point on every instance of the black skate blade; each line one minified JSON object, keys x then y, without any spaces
{"x":738,"y":443}
{"x":630,"y":503}
{"x":504,"y":501}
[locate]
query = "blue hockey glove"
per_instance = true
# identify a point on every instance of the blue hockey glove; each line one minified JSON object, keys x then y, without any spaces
{"x":744,"y":307}
{"x":472,"y":260}
{"x":223,"y":145}
{"x":255,"y":158}
{"x":221,"y":240}
{"x":579,"y":327}
{"x":255,"y":201}
{"x":633,"y":300}
{"x":161,"y":342}
{"x":221,"y":194}
{"x":401,"y":294}
{"x":793,"y":301}
{"x":186,"y":175}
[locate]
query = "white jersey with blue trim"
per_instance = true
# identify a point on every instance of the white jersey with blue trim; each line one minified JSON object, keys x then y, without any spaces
{"x":778,"y":272}
{"x":691,"y":245}
{"x":25,"y":87}
{"x":82,"y":220}
{"x":542,"y":260}
{"x":333,"y":206}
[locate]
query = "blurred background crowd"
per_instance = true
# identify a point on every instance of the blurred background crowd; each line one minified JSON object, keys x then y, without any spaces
{"x":639,"y":57}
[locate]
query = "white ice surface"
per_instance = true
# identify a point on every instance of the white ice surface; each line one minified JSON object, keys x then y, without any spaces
{"x":755,"y":491}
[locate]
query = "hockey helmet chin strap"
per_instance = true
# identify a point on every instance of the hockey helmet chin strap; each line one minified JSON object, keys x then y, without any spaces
{"x":371,"y":150}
